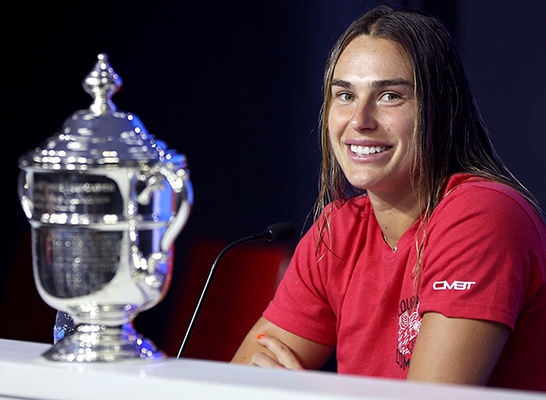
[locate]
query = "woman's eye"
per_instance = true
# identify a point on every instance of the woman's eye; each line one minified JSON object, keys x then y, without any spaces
{"x":346,"y":96}
{"x":390,"y":97}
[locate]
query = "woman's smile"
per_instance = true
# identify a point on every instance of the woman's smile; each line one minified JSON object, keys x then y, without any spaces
{"x":371,"y":118}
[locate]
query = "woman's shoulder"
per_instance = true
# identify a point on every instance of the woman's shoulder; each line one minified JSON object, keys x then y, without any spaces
{"x":358,"y":207}
{"x":340,"y":219}
{"x":467,"y":183}
{"x":468,"y":195}
{"x":477,"y":188}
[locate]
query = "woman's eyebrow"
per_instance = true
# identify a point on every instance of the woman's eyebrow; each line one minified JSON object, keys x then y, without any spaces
{"x":391,"y":82}
{"x":378,"y":83}
{"x":341,"y":83}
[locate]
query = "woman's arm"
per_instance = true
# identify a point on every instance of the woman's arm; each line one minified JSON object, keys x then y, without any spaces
{"x":279,"y":348}
{"x":456,"y":350}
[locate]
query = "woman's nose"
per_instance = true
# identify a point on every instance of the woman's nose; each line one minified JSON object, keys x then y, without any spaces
{"x":364,"y":117}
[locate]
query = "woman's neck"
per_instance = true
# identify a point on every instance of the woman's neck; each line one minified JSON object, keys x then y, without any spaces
{"x":396,"y":215}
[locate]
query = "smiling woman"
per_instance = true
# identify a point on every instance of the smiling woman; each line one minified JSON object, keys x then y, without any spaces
{"x":436,"y":268}
{"x":373,"y":106}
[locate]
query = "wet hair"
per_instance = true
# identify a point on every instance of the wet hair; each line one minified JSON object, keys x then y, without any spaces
{"x":450,"y":136}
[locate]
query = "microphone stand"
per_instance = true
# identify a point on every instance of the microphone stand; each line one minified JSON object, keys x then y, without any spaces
{"x":276,"y":232}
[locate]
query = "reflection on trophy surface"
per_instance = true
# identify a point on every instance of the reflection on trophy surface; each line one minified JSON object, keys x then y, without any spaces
{"x":105,"y":201}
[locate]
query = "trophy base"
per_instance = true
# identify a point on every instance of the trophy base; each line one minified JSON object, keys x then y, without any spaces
{"x":101,"y":343}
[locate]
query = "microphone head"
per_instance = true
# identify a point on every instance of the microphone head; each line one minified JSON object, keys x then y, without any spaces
{"x":280,"y":232}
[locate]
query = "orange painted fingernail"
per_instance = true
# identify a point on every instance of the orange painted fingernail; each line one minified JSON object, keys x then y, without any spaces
{"x":260,"y":336}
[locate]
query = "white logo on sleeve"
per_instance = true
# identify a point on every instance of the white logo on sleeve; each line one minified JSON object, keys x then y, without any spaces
{"x":456,"y":285}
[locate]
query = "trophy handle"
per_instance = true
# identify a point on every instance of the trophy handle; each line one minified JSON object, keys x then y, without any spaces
{"x":178,"y":179}
{"x":183,"y":201}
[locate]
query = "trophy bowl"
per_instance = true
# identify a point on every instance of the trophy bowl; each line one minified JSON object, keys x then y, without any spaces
{"x":105,"y":201}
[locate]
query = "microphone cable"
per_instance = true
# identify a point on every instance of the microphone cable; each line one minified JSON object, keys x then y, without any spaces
{"x":274,"y":233}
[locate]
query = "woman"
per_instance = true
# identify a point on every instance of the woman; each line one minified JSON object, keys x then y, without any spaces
{"x":434,"y":267}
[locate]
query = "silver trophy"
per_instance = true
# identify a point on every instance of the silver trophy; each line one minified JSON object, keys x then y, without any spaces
{"x":105,"y":201}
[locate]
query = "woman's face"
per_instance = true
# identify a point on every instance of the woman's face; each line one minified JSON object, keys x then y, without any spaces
{"x":372,"y":116}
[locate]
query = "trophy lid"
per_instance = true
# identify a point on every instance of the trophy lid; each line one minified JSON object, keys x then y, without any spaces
{"x":100,"y":136}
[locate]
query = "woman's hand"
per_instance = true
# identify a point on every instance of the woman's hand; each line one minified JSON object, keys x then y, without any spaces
{"x":285,"y":357}
{"x":270,"y":346}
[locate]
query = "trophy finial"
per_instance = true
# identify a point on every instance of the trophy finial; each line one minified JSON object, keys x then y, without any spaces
{"x":102,"y":83}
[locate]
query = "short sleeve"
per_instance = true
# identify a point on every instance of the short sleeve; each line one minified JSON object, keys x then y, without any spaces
{"x":481,"y":245}
{"x":300,"y":304}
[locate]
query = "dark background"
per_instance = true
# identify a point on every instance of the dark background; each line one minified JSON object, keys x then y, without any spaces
{"x":235,"y":86}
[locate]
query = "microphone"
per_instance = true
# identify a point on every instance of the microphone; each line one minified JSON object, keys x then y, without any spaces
{"x":274,"y":233}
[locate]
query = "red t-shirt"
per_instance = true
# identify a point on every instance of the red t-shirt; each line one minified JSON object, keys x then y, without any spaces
{"x":484,"y":258}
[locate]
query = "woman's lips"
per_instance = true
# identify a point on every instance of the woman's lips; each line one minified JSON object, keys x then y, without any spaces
{"x":366,"y":150}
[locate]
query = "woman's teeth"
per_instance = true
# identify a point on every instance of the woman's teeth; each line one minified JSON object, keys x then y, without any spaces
{"x":361,"y":150}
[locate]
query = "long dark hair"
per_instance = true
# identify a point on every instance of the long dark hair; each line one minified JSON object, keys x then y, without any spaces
{"x":450,"y":136}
